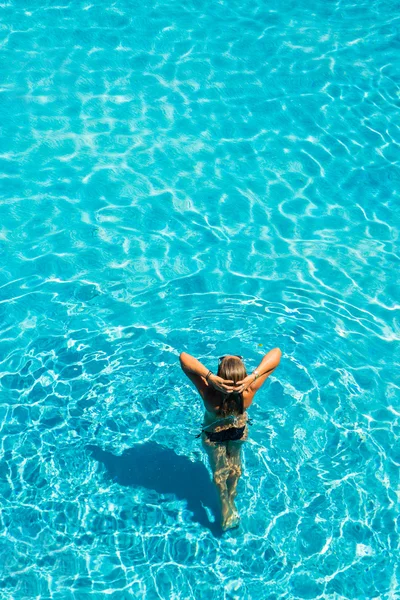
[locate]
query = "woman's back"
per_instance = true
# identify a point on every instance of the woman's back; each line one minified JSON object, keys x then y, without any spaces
{"x":214,"y":402}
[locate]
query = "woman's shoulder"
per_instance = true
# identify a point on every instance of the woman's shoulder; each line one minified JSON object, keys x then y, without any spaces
{"x":212,"y":400}
{"x":248,"y":396}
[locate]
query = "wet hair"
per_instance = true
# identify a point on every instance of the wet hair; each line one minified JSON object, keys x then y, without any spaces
{"x":231,"y":367}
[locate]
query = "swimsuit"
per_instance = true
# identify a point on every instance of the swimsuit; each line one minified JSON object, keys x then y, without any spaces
{"x":229,"y":434}
{"x":226,"y":435}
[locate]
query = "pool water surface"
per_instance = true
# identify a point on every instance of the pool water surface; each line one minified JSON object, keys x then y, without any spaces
{"x":208,"y":177}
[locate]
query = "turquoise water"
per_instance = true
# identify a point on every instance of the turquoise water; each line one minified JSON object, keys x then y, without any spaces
{"x":210,"y":177}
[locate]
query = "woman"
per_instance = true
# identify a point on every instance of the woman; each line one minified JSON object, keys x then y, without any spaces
{"x":226,"y":396}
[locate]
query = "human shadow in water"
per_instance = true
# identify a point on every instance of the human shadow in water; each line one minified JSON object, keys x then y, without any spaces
{"x":158,"y":468}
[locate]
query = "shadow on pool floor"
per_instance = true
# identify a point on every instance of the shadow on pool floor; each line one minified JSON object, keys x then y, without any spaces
{"x":158,"y":468}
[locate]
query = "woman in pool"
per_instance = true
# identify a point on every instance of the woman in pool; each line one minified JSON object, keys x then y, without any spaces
{"x":227,"y":396}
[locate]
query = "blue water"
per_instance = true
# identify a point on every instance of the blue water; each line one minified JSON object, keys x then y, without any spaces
{"x":210,"y":177}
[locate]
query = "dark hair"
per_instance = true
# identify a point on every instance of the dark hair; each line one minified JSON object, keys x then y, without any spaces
{"x":232,"y":367}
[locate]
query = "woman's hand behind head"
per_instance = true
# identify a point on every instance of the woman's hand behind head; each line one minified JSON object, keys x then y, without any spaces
{"x":242,"y":385}
{"x":222,"y":385}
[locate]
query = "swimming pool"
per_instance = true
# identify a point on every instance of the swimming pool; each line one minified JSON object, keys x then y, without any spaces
{"x":209,"y":177}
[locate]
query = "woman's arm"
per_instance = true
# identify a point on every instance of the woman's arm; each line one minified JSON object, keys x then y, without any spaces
{"x":190,"y":364}
{"x":203,"y":377}
{"x":256,"y":379}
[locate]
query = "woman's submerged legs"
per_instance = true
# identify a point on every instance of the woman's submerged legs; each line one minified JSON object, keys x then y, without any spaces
{"x":235,"y":471}
{"x":217,"y":456}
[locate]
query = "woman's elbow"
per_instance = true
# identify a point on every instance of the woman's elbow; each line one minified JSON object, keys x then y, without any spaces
{"x":182,"y":359}
{"x":278,"y":353}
